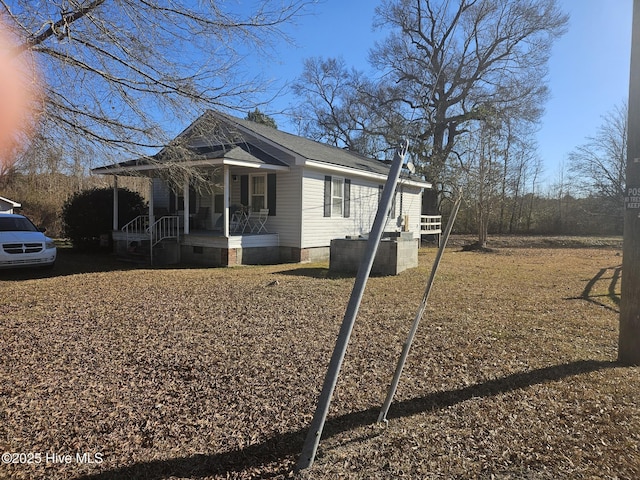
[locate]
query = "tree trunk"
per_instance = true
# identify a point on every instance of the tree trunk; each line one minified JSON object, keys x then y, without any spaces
{"x":483,"y":230}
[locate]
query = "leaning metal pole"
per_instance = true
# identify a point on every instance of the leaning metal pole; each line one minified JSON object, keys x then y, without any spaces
{"x":420,"y":313}
{"x":317,"y":424}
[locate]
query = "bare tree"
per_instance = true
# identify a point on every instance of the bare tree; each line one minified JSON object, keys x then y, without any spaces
{"x":445,"y":67}
{"x":117,"y":74}
{"x":483,"y":164}
{"x":451,"y":62}
{"x":598,"y":166}
{"x":336,"y":108}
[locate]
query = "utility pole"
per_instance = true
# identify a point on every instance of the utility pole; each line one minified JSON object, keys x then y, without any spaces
{"x":629,"y":339}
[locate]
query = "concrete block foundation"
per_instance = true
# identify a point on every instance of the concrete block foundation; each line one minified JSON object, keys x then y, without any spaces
{"x":395,"y":254}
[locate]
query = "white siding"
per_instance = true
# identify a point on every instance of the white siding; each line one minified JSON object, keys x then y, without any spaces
{"x":411,"y":206}
{"x":299,"y":219}
{"x":286,"y":222}
{"x":318,"y":230}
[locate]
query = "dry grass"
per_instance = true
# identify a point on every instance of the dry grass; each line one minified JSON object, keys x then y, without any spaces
{"x":214,"y":373}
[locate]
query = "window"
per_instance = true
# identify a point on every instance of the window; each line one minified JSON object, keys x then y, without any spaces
{"x":337,"y":197}
{"x":258,"y":192}
{"x":392,"y":210}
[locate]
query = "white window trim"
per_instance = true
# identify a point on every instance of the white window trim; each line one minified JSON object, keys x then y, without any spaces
{"x":253,"y":194}
{"x":341,"y":196}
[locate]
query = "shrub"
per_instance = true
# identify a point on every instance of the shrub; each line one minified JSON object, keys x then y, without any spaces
{"x":89,"y":214}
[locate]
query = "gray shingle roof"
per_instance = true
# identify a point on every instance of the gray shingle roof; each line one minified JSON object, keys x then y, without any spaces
{"x":307,"y":148}
{"x":217,"y":135}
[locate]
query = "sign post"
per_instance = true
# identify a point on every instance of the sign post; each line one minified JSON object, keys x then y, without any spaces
{"x":629,"y":337}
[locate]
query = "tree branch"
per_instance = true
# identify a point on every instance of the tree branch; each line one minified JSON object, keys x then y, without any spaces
{"x":55,"y":28}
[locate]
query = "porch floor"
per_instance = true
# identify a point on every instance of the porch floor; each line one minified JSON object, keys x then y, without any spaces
{"x":215,"y":238}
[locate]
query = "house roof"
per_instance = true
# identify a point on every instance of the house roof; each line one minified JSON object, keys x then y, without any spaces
{"x":310,"y":149}
{"x":242,"y":154}
{"x":218,"y":138}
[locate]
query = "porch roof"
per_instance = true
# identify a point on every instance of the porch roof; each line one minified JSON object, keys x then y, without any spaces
{"x":233,"y":155}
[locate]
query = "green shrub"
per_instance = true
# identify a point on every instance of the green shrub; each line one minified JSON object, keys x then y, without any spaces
{"x":89,"y":214}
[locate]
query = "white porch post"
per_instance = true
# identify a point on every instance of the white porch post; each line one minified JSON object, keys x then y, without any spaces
{"x":115,"y":202}
{"x":185,"y":192}
{"x":152,"y":218}
{"x":225,"y":210}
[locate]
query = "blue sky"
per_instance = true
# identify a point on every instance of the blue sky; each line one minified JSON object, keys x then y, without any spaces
{"x":588,"y":71}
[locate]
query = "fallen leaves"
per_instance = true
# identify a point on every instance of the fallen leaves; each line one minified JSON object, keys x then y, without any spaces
{"x":214,"y":373}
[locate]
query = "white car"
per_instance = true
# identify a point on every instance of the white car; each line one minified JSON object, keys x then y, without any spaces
{"x":24,"y":245}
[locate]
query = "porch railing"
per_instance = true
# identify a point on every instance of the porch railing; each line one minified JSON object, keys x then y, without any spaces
{"x":430,"y":224}
{"x":163,"y":228}
{"x":137,"y":226}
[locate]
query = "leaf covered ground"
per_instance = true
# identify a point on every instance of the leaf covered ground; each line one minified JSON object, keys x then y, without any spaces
{"x":215,"y":373}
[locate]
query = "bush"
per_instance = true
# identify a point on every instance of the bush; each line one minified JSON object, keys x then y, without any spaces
{"x":89,"y":214}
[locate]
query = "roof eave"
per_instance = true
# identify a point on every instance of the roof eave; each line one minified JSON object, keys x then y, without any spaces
{"x":325,"y":166}
{"x":117,"y":169}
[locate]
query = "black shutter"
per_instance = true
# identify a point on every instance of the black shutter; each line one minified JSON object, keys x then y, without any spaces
{"x":271,"y":194}
{"x":172,"y":201}
{"x":244,"y":190}
{"x":192,"y":200}
{"x":347,"y":198}
{"x":327,"y":196}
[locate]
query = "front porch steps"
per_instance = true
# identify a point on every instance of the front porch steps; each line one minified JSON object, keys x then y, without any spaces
{"x":140,"y":254}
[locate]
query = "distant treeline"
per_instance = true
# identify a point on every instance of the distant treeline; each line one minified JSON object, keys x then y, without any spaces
{"x":42,"y":195}
{"x":533,"y":214}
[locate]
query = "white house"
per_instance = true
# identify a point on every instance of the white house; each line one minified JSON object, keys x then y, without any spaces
{"x":7,"y":206}
{"x":253,"y":194}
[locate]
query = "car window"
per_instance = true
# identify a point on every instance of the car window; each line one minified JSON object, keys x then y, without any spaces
{"x":16,"y":224}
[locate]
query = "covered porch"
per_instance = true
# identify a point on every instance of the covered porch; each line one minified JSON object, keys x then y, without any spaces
{"x":221,"y":213}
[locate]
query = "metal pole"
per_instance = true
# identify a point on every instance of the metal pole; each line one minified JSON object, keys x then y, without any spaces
{"x":629,"y":333}
{"x":423,"y":305}
{"x":317,"y":424}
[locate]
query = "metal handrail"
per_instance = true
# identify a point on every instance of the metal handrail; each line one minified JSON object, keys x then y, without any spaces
{"x":163,"y":228}
{"x":140,"y":224}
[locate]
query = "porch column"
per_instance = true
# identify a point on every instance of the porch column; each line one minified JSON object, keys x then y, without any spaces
{"x":152,"y":218}
{"x":225,"y":210}
{"x":115,"y":202}
{"x":185,"y":193}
